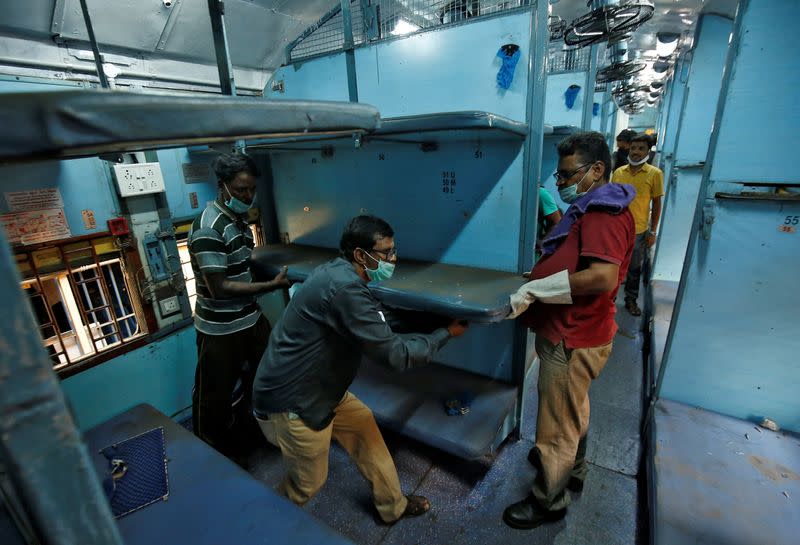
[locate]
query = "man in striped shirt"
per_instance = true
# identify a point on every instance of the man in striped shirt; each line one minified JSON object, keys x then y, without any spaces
{"x":231,"y":331}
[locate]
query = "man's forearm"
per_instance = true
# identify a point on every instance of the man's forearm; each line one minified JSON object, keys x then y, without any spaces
{"x":233,"y":288}
{"x":655,"y":215}
{"x":594,"y":280}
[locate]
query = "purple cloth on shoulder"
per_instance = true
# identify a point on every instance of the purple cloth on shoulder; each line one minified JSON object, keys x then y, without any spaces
{"x":611,"y":197}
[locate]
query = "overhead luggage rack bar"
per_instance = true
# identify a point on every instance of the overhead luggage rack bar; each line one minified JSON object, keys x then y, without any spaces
{"x":84,"y":123}
{"x":446,"y":125}
{"x":469,"y":293}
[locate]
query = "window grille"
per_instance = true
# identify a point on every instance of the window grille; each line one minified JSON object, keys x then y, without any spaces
{"x":568,"y":60}
{"x":375,"y":20}
{"x":81,"y":298}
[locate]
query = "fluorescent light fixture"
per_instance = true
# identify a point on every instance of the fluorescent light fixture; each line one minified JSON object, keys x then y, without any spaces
{"x":666,"y":44}
{"x":687,"y":21}
{"x":403,"y":27}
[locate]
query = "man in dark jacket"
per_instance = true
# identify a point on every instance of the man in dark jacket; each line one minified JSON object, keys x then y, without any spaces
{"x":301,"y":396}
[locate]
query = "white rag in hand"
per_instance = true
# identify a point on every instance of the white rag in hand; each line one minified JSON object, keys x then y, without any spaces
{"x":553,"y":289}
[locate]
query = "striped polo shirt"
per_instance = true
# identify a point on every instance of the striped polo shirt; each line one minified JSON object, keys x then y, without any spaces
{"x":220,"y":241}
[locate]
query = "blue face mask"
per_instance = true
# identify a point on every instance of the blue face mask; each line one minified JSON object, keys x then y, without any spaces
{"x":570,"y":193}
{"x":236,"y":205}
{"x":384,"y":271}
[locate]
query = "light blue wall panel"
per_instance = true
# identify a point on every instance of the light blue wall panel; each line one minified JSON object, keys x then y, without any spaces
{"x":160,"y":373}
{"x":736,"y":343}
{"x":676,"y":223}
{"x":762,"y":114}
{"x":646,"y":119}
{"x":597,"y":119}
{"x":83,"y":184}
{"x":448,"y":70}
{"x":555,"y":109}
{"x":172,"y":161}
{"x":324,"y":78}
{"x":549,"y":166}
{"x":672,"y":121}
{"x":705,"y":80}
{"x":475,"y":225}
{"x":677,"y":91}
{"x":484,"y":350}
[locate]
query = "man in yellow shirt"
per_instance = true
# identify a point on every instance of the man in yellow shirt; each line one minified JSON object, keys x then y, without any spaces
{"x":646,"y":209}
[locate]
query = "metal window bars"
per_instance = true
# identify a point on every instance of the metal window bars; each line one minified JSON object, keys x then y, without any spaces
{"x":375,"y":20}
{"x":96,"y":302}
{"x":560,"y":61}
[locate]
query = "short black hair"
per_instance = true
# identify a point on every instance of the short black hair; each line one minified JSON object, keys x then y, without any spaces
{"x":626,"y":135}
{"x":227,"y":166}
{"x":590,"y":147}
{"x":646,"y":138}
{"x":362,"y":232}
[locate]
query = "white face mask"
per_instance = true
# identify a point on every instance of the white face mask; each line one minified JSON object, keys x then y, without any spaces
{"x":638,"y":163}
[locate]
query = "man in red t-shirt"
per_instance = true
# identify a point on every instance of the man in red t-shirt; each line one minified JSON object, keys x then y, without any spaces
{"x":570,"y":306}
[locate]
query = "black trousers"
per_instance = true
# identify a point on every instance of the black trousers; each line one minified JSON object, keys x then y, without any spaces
{"x":222,"y":360}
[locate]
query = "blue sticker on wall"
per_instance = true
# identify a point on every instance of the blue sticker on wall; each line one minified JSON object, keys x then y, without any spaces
{"x":571,"y":95}
{"x":509,"y":54}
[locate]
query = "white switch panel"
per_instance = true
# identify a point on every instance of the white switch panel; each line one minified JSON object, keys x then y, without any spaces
{"x":169,"y":306}
{"x":139,"y":179}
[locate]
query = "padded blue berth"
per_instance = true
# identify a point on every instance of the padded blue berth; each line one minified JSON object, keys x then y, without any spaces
{"x":720,"y":480}
{"x":82,"y":123}
{"x":211,"y":500}
{"x":477,"y":295}
{"x":413,"y":402}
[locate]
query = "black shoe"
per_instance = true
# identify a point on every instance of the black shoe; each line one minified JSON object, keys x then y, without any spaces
{"x":533,"y":458}
{"x":574,"y":484}
{"x":632,"y":308}
{"x":526,"y":514}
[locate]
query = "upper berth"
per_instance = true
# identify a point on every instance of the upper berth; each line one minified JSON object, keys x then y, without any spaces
{"x":83,"y":123}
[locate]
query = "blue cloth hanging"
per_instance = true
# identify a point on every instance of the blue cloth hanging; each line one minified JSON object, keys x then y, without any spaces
{"x":571,"y":95}
{"x":509,"y":54}
{"x":595,"y":109}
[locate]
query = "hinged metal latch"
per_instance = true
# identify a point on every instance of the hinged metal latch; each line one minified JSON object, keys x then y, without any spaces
{"x":708,"y":218}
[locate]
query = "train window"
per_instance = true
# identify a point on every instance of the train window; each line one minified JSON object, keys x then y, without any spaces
{"x":182,"y":238}
{"x":81,"y":297}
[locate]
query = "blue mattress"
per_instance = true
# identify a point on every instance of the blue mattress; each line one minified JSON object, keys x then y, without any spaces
{"x":477,"y":295}
{"x":211,"y":500}
{"x":412,"y":403}
{"x":718,"y":480}
{"x":82,"y":123}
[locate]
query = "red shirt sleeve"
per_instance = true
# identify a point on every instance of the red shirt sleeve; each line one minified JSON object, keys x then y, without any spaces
{"x":606,"y":236}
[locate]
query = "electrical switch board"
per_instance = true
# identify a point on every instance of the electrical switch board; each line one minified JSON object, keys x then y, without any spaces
{"x":139,"y":179}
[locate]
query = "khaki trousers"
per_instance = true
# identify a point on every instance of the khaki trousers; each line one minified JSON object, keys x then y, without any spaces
{"x":305,"y":454}
{"x":563,"y":420}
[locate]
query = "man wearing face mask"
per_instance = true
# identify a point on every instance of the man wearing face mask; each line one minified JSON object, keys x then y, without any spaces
{"x":301,"y":396}
{"x":231,"y":331}
{"x":569,"y":304}
{"x":623,"y":148}
{"x":646,"y":209}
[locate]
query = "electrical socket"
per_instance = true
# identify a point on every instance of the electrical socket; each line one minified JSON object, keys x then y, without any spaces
{"x":139,"y":179}
{"x":169,"y":306}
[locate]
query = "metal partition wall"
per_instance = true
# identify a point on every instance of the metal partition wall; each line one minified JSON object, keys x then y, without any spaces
{"x":733,"y":344}
{"x":690,"y":142}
